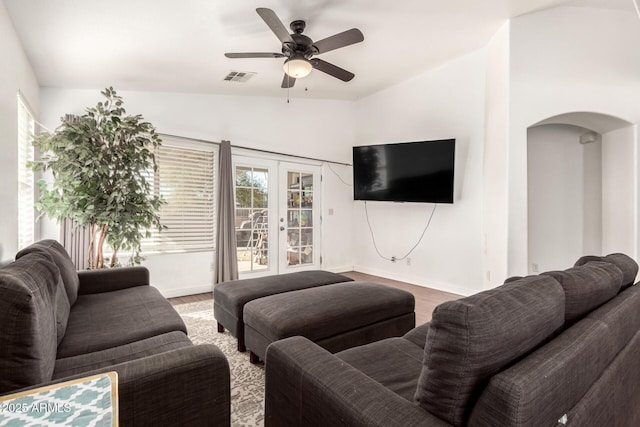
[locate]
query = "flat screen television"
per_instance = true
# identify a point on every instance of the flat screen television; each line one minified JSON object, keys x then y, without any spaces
{"x":405,"y":172}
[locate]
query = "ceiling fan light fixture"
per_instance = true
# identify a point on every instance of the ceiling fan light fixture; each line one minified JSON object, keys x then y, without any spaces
{"x":297,"y":67}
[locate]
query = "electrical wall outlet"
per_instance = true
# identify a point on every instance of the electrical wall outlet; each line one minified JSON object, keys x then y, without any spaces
{"x":408,"y":261}
{"x":535,"y":267}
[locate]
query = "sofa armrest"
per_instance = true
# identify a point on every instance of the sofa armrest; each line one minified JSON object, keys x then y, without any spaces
{"x":112,"y":279}
{"x":308,"y":386}
{"x":188,"y":386}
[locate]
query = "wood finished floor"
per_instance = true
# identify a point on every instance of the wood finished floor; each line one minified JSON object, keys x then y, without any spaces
{"x":426,"y":298}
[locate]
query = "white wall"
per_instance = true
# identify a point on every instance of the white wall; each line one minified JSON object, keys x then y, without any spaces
{"x":618,"y":189}
{"x":560,"y":173}
{"x":585,"y":60}
{"x":182,"y":273}
{"x":338,"y":245}
{"x":316,"y":128}
{"x":444,"y":103}
{"x":495,"y":162}
{"x":592,"y":205}
{"x":15,"y":74}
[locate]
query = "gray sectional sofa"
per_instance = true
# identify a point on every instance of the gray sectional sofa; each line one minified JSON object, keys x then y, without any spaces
{"x":58,"y":324}
{"x":559,"y":348}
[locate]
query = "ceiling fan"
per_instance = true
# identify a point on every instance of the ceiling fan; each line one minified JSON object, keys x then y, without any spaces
{"x":300,"y":49}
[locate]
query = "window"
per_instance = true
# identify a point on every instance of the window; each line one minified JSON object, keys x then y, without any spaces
{"x":26,"y":190}
{"x":185,"y":179}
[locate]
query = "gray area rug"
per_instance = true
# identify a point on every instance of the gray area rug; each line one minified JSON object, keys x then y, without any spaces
{"x":247,"y":380}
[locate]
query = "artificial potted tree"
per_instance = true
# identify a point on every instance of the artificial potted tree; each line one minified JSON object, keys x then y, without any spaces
{"x":103,"y":165}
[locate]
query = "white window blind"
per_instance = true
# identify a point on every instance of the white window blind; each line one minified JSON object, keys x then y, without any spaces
{"x":185,"y":179}
{"x":26,"y":185}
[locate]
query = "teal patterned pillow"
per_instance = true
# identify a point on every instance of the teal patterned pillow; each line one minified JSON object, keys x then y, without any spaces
{"x":91,"y":401}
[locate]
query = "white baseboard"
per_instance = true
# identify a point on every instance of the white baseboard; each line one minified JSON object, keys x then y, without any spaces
{"x":445,"y":287}
{"x":340,"y":269}
{"x":180,"y":292}
{"x":192,"y":290}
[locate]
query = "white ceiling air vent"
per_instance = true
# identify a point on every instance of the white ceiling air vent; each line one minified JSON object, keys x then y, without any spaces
{"x":239,"y":76}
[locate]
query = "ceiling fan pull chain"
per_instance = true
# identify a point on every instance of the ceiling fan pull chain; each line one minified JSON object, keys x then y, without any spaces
{"x":288,"y":83}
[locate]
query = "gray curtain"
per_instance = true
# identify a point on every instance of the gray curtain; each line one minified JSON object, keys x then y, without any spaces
{"x":226,"y":257}
{"x":76,"y":241}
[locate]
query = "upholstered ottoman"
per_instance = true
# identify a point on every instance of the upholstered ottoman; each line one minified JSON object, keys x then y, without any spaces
{"x":229,"y":298}
{"x":335,"y":317}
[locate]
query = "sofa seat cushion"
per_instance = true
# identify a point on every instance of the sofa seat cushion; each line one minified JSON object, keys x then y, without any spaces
{"x":473,"y":338}
{"x":394,"y":362}
{"x":62,"y":260}
{"x":418,"y":335}
{"x":28,"y":340}
{"x":112,"y":319}
{"x":587,"y":287}
{"x":136,"y":350}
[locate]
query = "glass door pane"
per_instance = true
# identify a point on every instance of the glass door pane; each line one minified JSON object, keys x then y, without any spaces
{"x":301,"y":216}
{"x":252,"y":218}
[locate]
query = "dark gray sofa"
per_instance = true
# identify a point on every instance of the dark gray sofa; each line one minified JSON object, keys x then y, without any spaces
{"x":58,"y":324}
{"x":560,"y":348}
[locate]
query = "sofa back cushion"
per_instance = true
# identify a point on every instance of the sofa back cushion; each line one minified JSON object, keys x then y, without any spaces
{"x":626,"y":264}
{"x":63,"y":261}
{"x":587,"y":287}
{"x":471,"y":339}
{"x":28,"y":338}
{"x":63,"y":309}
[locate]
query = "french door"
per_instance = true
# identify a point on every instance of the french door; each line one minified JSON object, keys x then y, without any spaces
{"x":299,"y":221}
{"x":277,"y":209}
{"x":255,"y":204}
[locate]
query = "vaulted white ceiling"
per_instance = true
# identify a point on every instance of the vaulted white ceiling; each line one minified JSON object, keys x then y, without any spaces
{"x":179,"y":45}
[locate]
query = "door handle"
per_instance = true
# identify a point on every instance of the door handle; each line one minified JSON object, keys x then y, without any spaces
{"x":282,"y":228}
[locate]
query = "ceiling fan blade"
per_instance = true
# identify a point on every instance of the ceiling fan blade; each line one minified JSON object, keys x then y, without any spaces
{"x":339,"y":40}
{"x":332,"y":70}
{"x":276,"y":25}
{"x":254,"y":55}
{"x":288,"y":81}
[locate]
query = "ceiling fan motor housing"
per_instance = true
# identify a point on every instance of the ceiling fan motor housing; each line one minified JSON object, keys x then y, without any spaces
{"x":302,"y":45}
{"x":298,"y":26}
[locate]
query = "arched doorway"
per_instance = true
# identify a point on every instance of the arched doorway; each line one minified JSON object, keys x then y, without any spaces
{"x":580,"y":183}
